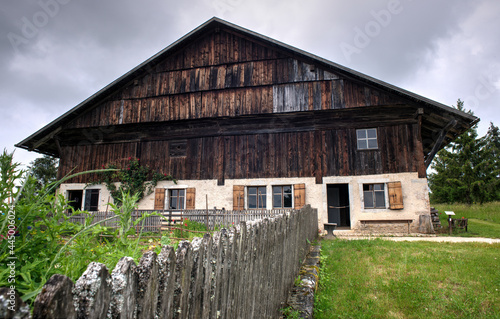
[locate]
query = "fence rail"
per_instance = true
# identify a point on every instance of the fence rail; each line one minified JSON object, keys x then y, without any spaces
{"x":212,"y":218}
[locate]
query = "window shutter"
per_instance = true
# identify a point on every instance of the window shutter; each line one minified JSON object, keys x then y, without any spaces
{"x":395,"y":195}
{"x":238,"y":197}
{"x":91,"y":200}
{"x":159,"y":199}
{"x":190,"y":197}
{"x":299,"y":195}
{"x":86,"y":203}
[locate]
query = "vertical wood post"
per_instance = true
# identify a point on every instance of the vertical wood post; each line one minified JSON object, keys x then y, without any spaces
{"x":206,"y":215}
{"x":182,"y":224}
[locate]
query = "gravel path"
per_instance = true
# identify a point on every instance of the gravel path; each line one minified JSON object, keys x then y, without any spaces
{"x":433,"y":239}
{"x":447,"y":239}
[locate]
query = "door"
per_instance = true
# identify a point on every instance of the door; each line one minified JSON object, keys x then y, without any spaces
{"x":338,"y":205}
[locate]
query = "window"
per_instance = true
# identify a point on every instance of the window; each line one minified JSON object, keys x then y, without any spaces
{"x":367,"y":139}
{"x":282,"y":196}
{"x":177,"y":198}
{"x":374,"y":195}
{"x":91,"y":200}
{"x":75,"y":199}
{"x":256,"y":197}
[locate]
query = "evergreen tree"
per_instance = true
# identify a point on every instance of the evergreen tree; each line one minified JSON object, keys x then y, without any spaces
{"x":460,"y":169}
{"x":492,"y":162}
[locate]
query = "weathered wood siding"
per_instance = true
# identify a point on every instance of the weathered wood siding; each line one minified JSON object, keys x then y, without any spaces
{"x":294,"y":154}
{"x":225,"y":75}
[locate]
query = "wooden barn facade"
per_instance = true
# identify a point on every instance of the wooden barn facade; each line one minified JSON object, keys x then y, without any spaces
{"x":249,"y":122}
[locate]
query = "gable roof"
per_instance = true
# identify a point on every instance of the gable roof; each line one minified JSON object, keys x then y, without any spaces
{"x":36,"y":141}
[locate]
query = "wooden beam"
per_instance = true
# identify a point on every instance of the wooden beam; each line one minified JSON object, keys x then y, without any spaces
{"x":439,"y":141}
{"x":246,"y":125}
{"x":45,"y":139}
{"x":59,"y":150}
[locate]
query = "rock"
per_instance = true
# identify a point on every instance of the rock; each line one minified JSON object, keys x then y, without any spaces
{"x":425,"y":224}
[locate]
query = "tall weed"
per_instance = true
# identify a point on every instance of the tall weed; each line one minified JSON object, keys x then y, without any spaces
{"x":38,"y":237}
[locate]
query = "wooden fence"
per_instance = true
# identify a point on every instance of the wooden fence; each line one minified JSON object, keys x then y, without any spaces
{"x":245,"y":271}
{"x":212,"y":218}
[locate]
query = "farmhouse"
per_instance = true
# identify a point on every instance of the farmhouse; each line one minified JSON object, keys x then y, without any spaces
{"x":247,"y":122}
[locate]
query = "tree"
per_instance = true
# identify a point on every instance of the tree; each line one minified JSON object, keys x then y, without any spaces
{"x":462,"y":171}
{"x":44,"y":170}
{"x":492,"y":162}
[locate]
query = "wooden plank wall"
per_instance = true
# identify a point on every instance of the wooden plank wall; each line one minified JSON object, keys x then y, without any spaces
{"x":224,"y":74}
{"x":296,"y":154}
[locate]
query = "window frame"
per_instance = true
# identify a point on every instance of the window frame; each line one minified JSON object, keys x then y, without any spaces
{"x":177,"y":197}
{"x":282,"y":196}
{"x":373,"y":195}
{"x":260,"y":204}
{"x":366,"y":139}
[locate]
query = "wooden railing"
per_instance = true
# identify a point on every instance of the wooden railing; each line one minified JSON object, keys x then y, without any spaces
{"x":212,"y":218}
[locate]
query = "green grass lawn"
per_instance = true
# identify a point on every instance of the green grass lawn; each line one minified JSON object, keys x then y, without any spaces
{"x":385,"y":279}
{"x":484,"y":220}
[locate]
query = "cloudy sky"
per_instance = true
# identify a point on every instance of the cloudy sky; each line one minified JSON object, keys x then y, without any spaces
{"x":56,"y":53}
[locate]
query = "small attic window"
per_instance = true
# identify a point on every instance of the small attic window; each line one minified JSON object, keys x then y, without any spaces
{"x":367,"y":139}
{"x":177,"y":148}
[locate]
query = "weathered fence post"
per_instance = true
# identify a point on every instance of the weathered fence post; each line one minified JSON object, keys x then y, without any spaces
{"x":215,"y":268}
{"x":55,"y":300}
{"x":207,"y":273}
{"x":227,"y":250}
{"x":232,"y":281}
{"x":124,"y":290}
{"x":182,"y":278}
{"x":11,"y":305}
{"x":147,"y":296}
{"x":92,"y":292}
{"x":194,"y":293}
{"x":166,"y":269}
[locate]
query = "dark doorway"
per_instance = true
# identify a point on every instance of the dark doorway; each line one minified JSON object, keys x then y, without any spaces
{"x":75,"y":199}
{"x":338,"y":205}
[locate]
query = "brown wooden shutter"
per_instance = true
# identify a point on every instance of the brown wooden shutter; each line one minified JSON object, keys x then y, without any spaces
{"x":238,"y":197}
{"x":299,"y":191}
{"x":395,"y":195}
{"x":159,"y":198}
{"x":190,"y":196}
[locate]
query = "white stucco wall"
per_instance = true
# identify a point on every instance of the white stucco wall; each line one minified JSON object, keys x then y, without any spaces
{"x":415,"y":195}
{"x":104,"y":195}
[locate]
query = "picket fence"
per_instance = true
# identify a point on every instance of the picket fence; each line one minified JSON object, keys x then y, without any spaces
{"x":212,"y":218}
{"x":245,"y":271}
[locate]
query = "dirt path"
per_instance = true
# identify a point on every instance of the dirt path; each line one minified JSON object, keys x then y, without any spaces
{"x":435,"y":239}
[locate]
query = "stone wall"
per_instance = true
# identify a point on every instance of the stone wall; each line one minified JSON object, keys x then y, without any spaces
{"x":242,"y":272}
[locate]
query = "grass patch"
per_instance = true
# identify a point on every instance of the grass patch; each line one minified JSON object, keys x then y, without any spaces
{"x":484,"y":220}
{"x":385,"y":279}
